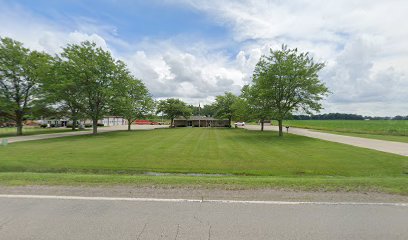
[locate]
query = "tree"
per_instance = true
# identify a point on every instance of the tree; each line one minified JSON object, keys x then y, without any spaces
{"x":224,"y":106}
{"x":20,"y":72}
{"x":133,"y":100}
{"x":173,"y":108}
{"x":288,"y":81}
{"x":258,"y":107}
{"x":62,"y":90}
{"x":208,"y":110}
{"x":95,"y":73}
{"x":241,"y":110}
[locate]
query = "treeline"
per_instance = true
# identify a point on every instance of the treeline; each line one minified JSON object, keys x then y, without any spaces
{"x":86,"y":82}
{"x":343,"y":116}
{"x":82,"y":82}
{"x":283,"y":82}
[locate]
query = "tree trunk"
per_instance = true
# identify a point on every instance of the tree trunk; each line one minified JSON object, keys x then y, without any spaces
{"x":94,"y":126}
{"x":171,"y":122}
{"x":280,"y":128}
{"x":19,"y":124}
{"x":129,"y":124}
{"x":230,"y":120}
{"x":262,"y":125}
{"x":74,"y":122}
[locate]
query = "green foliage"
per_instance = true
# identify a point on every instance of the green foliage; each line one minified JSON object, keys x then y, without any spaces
{"x":241,"y":109}
{"x":286,"y":81}
{"x":20,"y":73}
{"x":173,"y":108}
{"x":258,"y":106}
{"x":132,"y":100}
{"x":94,"y":74}
{"x":223,"y":106}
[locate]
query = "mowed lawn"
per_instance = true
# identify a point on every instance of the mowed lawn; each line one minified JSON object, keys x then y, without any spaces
{"x":193,"y":150}
{"x":391,"y":130}
{"x":11,"y":131}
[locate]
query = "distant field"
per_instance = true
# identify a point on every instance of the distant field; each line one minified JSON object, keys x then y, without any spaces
{"x":11,"y":132}
{"x":378,"y":129}
{"x":292,"y":161}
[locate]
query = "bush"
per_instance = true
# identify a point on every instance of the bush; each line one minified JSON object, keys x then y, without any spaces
{"x":88,"y":125}
{"x":43,"y":125}
{"x":100,"y":124}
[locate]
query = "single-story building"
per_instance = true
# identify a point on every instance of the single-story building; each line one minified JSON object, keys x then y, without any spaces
{"x":200,"y":121}
{"x":113,"y":121}
{"x":106,"y":121}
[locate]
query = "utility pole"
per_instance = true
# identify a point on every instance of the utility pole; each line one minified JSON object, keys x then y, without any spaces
{"x":199,"y":114}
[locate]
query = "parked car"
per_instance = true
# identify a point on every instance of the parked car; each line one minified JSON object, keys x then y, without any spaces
{"x":240,"y":124}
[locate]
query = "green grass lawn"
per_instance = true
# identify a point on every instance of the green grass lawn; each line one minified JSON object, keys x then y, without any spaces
{"x":11,"y":132}
{"x":390,"y":130}
{"x":253,"y":158}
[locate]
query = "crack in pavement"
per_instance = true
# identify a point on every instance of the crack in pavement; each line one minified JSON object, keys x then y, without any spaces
{"x":140,"y":234}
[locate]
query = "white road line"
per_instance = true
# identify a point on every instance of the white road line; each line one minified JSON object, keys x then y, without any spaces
{"x":177,"y":200}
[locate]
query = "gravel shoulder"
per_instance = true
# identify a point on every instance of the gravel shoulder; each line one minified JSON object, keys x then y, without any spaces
{"x":203,"y":193}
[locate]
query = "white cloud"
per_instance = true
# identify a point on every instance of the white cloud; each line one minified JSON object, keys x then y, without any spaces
{"x":190,"y":76}
{"x":41,"y":34}
{"x":362,"y":42}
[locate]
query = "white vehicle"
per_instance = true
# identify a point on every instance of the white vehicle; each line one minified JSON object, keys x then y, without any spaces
{"x":240,"y":124}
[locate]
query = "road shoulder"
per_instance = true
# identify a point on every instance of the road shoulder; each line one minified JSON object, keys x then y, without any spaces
{"x":203,"y":193}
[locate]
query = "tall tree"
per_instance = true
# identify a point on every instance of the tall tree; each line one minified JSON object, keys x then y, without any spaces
{"x":96,"y":74}
{"x":258,"y":107}
{"x":288,"y":80}
{"x":20,"y":72}
{"x":224,"y":106}
{"x":132,"y":100}
{"x":62,"y":90}
{"x":241,"y":109}
{"x":173,"y":108}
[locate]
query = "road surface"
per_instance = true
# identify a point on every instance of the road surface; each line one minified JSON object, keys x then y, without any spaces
{"x":380,"y":145}
{"x":52,"y":217}
{"x":77,"y":133}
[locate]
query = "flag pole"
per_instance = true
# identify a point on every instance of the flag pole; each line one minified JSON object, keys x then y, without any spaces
{"x":199,"y":114}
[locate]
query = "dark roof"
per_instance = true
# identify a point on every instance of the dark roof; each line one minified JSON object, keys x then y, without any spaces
{"x":198,"y":118}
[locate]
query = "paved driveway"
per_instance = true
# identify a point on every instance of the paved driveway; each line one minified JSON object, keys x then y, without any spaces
{"x":77,"y":133}
{"x":380,"y":145}
{"x":114,"y":218}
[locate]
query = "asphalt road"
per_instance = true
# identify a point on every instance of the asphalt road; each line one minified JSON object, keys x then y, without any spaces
{"x":93,"y":218}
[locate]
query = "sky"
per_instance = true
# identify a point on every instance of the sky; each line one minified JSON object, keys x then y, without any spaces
{"x":196,"y":50}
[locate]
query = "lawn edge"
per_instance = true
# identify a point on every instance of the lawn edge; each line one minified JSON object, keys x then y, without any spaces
{"x":390,"y":185}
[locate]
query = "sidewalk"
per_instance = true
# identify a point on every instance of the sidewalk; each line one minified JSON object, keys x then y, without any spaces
{"x":379,"y":145}
{"x":78,"y":133}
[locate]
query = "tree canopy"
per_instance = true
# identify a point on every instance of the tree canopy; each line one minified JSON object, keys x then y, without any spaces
{"x":223,"y":106}
{"x":173,"y":108}
{"x":94,"y":73}
{"x":285,"y":81}
{"x":20,"y":72}
{"x":132,"y":100}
